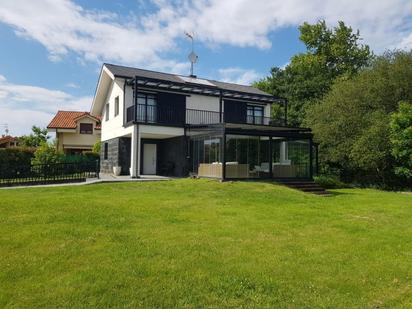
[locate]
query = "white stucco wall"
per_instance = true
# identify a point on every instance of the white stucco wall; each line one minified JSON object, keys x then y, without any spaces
{"x":201,"y":102}
{"x":267,"y":110}
{"x":150,"y":131}
{"x":129,"y":96}
{"x":113,"y":127}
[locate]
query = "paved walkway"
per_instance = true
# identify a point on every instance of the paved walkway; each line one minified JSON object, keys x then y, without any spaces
{"x":103,"y":178}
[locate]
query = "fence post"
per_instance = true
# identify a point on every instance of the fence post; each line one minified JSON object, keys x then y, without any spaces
{"x":98,"y":168}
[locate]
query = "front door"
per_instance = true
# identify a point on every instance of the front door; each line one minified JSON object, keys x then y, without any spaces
{"x":149,"y":159}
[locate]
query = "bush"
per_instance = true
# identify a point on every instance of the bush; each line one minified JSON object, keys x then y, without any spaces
{"x":87,"y":156}
{"x":329,"y":181}
{"x":92,"y":155}
{"x":45,"y":154}
{"x":16,"y":156}
{"x":97,"y":147}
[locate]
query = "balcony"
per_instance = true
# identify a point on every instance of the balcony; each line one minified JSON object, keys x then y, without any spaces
{"x":170,"y":116}
{"x":154,"y":114}
{"x":166,"y":115}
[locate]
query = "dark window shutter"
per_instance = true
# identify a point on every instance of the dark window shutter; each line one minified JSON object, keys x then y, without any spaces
{"x":171,"y":108}
{"x":235,"y":111}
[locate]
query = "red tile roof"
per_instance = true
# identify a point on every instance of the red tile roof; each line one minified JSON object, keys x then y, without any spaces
{"x":67,"y":120}
{"x":7,"y":138}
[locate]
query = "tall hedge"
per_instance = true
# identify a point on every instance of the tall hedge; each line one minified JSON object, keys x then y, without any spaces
{"x":16,"y":156}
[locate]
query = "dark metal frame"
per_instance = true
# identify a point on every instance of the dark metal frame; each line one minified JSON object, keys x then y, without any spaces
{"x":221,"y":129}
{"x":36,"y":174}
{"x":153,"y":83}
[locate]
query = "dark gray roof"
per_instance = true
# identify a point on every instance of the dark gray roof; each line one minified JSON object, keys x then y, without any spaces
{"x":129,"y":72}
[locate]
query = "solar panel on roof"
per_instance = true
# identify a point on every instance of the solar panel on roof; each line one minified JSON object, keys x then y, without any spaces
{"x":199,"y":81}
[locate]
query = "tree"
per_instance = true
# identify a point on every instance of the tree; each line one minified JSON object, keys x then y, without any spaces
{"x":46,"y":153}
{"x":97,"y":147}
{"x":331,"y":54}
{"x":401,"y":139}
{"x":351,"y":122}
{"x":36,"y":138}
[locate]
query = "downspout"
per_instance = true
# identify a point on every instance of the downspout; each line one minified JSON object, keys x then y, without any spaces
{"x":224,"y":155}
{"x":124,"y":102}
{"x":271,"y":158}
{"x":220,"y":107}
{"x":135,"y":99}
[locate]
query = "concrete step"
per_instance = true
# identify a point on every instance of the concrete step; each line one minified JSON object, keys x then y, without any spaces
{"x":307,"y":186}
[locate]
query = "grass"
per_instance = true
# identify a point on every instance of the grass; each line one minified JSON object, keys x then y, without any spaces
{"x":200,"y":243}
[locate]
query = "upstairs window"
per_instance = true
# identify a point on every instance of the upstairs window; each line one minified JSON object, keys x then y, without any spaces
{"x":86,"y":128}
{"x":255,"y":114}
{"x":146,"y":107}
{"x":116,"y":106}
{"x":107,"y":112}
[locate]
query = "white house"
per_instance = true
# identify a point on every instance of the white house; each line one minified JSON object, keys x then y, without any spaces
{"x":167,"y":124}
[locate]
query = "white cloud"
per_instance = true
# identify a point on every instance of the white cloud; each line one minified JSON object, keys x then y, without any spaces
{"x":22,"y":106}
{"x":143,"y":39}
{"x":242,"y":23}
{"x":63,"y":27}
{"x":72,"y":85}
{"x":238,"y":76}
{"x":149,"y":39}
{"x":406,"y":43}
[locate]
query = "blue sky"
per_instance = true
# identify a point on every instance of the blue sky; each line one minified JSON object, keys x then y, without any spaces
{"x":51,"y":50}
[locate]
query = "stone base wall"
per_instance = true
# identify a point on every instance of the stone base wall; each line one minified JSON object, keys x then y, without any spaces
{"x":106,"y":164}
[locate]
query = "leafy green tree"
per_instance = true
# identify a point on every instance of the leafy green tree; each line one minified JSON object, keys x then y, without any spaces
{"x":331,"y":54}
{"x":46,"y":153}
{"x":351,"y":122}
{"x":401,"y":139}
{"x":97,"y":147}
{"x":36,"y":138}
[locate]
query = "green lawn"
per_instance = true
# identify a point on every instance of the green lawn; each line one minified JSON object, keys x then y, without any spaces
{"x":199,"y":243}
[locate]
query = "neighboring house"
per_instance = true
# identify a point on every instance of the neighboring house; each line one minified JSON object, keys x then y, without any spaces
{"x":7,"y":141}
{"x":166,"y":124}
{"x":76,"y":132}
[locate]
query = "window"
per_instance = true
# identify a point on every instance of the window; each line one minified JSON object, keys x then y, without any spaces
{"x":116,"y":106}
{"x":106,"y":151}
{"x":255,"y":114}
{"x":247,"y":156}
{"x":207,"y":156}
{"x":107,"y":112}
{"x":86,"y":128}
{"x":146,"y":107}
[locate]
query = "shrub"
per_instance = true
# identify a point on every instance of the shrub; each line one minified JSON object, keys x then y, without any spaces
{"x":329,"y":181}
{"x":16,"y":156}
{"x":87,"y":156}
{"x":92,"y":155}
{"x":45,"y":154}
{"x":97,"y":147}
{"x":401,"y":139}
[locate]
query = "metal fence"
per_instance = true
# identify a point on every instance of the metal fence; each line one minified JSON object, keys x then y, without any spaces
{"x":48,"y":173}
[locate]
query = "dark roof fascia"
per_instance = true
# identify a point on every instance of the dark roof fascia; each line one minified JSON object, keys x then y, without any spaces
{"x":281,"y":133}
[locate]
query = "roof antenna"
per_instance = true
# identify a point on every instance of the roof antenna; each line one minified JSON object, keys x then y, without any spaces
{"x":192,"y":56}
{"x":6,"y":128}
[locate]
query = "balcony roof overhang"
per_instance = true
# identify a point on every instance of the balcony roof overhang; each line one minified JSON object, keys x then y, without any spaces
{"x":257,"y":130}
{"x":157,"y":84}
